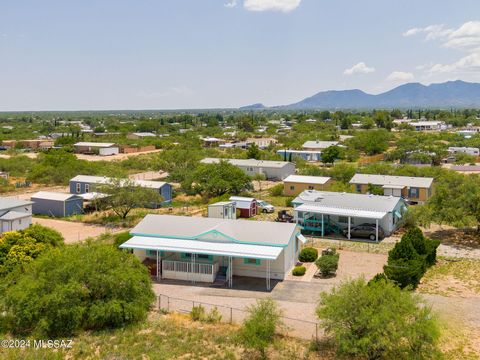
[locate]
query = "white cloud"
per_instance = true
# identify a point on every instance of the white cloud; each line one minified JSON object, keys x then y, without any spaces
{"x":466,"y":36}
{"x":431,"y":32}
{"x":469,"y":63}
{"x":400,"y":76}
{"x":231,"y":4}
{"x":360,"y":68}
{"x":274,"y":5}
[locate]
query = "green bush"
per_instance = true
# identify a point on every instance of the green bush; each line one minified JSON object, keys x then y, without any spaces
{"x":410,"y":258}
{"x":81,"y":287}
{"x":276,"y":190}
{"x":378,"y":321}
{"x":288,"y":201}
{"x":120,"y":238}
{"x":258,"y":329}
{"x":308,"y":254}
{"x":214,"y":316}
{"x":299,"y":271}
{"x":197,"y":313}
{"x":328,"y":264}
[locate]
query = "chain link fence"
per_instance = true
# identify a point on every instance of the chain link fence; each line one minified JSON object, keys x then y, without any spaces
{"x":291,"y":327}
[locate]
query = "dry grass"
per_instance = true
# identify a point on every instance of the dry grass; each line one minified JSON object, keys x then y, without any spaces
{"x":452,"y":277}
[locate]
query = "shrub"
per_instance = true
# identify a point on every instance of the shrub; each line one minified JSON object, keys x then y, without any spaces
{"x":328,"y":264}
{"x":44,"y":235}
{"x":197,"y":313}
{"x":308,"y":254}
{"x":288,"y":201}
{"x":258,"y":329}
{"x":276,"y":190}
{"x":431,"y":249}
{"x":299,"y":271}
{"x":404,"y":272}
{"x":213,"y":316}
{"x":78,"y":287}
{"x":120,"y":238}
{"x":378,"y":321}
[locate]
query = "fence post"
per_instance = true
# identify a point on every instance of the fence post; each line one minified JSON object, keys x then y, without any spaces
{"x":316,"y":332}
{"x":168,"y":303}
{"x":231,"y":315}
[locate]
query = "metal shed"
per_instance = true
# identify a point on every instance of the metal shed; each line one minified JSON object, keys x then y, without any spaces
{"x":56,"y":204}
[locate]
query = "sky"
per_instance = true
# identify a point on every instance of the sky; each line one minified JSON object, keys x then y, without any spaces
{"x":174,"y":54}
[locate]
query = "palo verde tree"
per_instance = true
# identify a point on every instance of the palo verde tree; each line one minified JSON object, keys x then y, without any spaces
{"x":378,"y":321}
{"x":124,"y":195}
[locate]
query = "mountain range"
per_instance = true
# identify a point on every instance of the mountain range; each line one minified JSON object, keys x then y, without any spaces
{"x":456,"y":94}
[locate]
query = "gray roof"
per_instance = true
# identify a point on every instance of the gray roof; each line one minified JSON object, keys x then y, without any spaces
{"x":317,"y":144}
{"x":105,"y":180}
{"x":360,"y":202}
{"x":11,"y":203}
{"x":243,"y":231}
{"x":14,"y":215}
{"x":48,"y":195}
{"x":423,"y":182}
{"x":248,"y":162}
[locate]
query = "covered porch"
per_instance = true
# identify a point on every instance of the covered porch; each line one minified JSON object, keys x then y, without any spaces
{"x":326,"y":220}
{"x":200,"y":261}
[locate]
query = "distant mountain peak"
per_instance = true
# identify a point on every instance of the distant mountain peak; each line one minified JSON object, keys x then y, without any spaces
{"x":456,"y":93}
{"x":256,"y":106}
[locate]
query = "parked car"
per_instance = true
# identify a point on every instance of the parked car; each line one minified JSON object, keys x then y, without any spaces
{"x":365,"y":231}
{"x":265,"y":207}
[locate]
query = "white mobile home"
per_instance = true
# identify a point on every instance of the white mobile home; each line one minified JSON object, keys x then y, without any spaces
{"x":273,"y":170}
{"x":215,"y":250}
{"x":464,"y":150}
{"x":15,"y":214}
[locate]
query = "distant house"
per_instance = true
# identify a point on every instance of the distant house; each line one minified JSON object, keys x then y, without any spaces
{"x":428,"y":125}
{"x":210,"y":250}
{"x":318,"y":145}
{"x":247,"y":206}
{"x":82,"y":184}
{"x":102,"y":149}
{"x":4,"y":175}
{"x":307,"y":155}
{"x":56,"y":204}
{"x":273,"y":170}
{"x":414,"y":189}
{"x":295,"y":184}
{"x":141,"y":135}
{"x":212,"y":142}
{"x":326,"y":212}
{"x":464,"y":150}
{"x":15,"y":214}
{"x":223,"y":210}
{"x":262,"y":143}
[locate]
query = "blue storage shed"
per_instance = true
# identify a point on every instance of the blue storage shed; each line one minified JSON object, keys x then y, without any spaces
{"x":56,"y":204}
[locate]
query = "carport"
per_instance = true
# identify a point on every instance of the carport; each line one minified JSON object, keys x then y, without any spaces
{"x":307,"y":210}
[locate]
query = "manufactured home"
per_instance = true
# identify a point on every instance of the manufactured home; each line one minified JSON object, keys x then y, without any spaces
{"x":210,"y":250}
{"x":15,"y":214}
{"x":307,"y":155}
{"x":318,"y":145}
{"x":102,"y":149}
{"x":473,"y":151}
{"x":295,"y":184}
{"x":273,"y":170}
{"x":325,"y":212}
{"x":82,"y":184}
{"x":413,"y":189}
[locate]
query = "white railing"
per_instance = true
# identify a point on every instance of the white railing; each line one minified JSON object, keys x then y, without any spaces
{"x":186,"y":270}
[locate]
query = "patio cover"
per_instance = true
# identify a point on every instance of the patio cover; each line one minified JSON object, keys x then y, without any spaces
{"x":302,"y":238}
{"x":318,"y":209}
{"x":204,"y":247}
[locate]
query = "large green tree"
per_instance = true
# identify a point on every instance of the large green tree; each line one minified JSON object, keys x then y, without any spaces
{"x":68,"y":289}
{"x":378,"y":321}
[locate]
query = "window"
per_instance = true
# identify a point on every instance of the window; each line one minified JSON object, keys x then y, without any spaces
{"x":151,"y":252}
{"x":292,"y":187}
{"x":413,"y":193}
{"x":358,"y":187}
{"x":310,"y":187}
{"x":199,"y":256}
{"x":252,"y":261}
{"x":87,"y":188}
{"x":343,"y":219}
{"x":79,"y":188}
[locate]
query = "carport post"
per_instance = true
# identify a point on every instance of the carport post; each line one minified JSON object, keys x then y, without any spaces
{"x":376,"y":230}
{"x":323,"y":229}
{"x":349,"y":221}
{"x":157,"y":265}
{"x":268,"y":275}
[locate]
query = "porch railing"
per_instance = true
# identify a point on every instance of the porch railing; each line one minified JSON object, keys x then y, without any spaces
{"x":189,"y":267}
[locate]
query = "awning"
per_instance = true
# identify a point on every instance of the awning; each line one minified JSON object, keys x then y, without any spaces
{"x":302,"y":238}
{"x":204,"y":247}
{"x":317,"y":209}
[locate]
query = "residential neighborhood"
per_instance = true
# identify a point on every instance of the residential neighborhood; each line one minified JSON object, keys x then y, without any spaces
{"x":242,"y":179}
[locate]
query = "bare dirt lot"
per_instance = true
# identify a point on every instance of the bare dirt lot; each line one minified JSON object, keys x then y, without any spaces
{"x":114,"y":157}
{"x":74,"y":231}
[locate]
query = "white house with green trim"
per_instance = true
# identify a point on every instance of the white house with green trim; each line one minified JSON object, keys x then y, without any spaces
{"x":213,"y":250}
